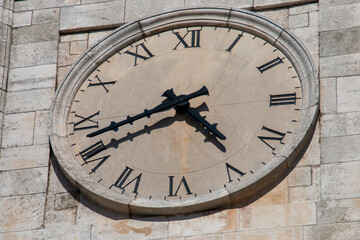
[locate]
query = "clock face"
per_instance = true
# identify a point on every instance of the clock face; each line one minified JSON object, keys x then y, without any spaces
{"x":183,"y":114}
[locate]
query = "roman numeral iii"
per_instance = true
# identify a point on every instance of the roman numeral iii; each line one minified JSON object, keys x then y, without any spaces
{"x":282,"y":99}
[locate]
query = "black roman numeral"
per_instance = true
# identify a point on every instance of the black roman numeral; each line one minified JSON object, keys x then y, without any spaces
{"x":234,"y":42}
{"x":182,"y":182}
{"x":120,"y":182}
{"x":91,"y":123}
{"x":270,"y":64}
{"x":101,"y":161}
{"x":279,"y":137}
{"x":229,"y":167}
{"x":101,"y":83}
{"x":92,"y":150}
{"x":137,"y":55}
{"x":195,"y":39}
{"x":282,"y":99}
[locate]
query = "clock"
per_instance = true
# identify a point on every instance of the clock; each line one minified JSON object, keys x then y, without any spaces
{"x":185,"y":111}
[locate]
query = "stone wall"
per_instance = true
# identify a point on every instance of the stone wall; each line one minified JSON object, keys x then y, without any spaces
{"x":41,"y":39}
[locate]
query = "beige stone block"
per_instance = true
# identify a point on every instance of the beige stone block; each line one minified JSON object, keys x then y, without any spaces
{"x":42,"y":127}
{"x":24,"y":157}
{"x":65,"y":201}
{"x":6,"y":16}
{"x":335,"y":125}
{"x":273,"y":216}
{"x":334,"y":211}
{"x":74,"y":37}
{"x":26,"y":212}
{"x":339,"y":17}
{"x":328,"y":99}
{"x":247,"y":4}
{"x":30,"y":78}
{"x":280,"y":16}
{"x":18,"y":130}
{"x":78,"y":47}
{"x":62,"y":71}
{"x":304,"y":8}
{"x":66,"y":233}
{"x":57,"y":215}
{"x":300,"y":176}
{"x":36,"y":33}
{"x":312,"y":153}
{"x":261,"y":4}
{"x":308,"y":193}
{"x":41,"y":4}
{"x":348,"y":231}
{"x":32,"y":54}
{"x":24,"y":181}
{"x":294,"y":233}
{"x":348,"y":98}
{"x":204,"y":223}
{"x":22,"y":19}
{"x":299,"y":21}
{"x":350,"y":65}
{"x":57,"y":181}
{"x":340,"y":149}
{"x":336,"y":2}
{"x":64,"y":57}
{"x":207,"y":237}
{"x":32,"y":100}
{"x":98,"y":15}
{"x":46,"y":16}
{"x":94,"y":37}
{"x":138,"y":9}
{"x":340,"y":180}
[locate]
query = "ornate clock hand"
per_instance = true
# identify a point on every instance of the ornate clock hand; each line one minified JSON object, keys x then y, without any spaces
{"x":194,"y":114}
{"x":147,"y":113}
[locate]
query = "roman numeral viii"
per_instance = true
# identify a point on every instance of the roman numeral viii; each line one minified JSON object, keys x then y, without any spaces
{"x":276,"y":136}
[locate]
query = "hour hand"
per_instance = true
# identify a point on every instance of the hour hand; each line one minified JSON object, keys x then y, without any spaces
{"x":196,"y":115}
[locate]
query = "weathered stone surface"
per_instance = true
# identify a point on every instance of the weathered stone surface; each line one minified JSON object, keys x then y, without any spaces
{"x":41,"y":4}
{"x":347,"y":210}
{"x":207,"y":237}
{"x":137,"y":9}
{"x":300,"y":176}
{"x":67,"y":233}
{"x":330,"y":67}
{"x":36,"y":33}
{"x":348,"y":98}
{"x":21,"y":212}
{"x":24,"y":157}
{"x":32,"y":54}
{"x":260,"y":4}
{"x":279,"y":16}
{"x":348,"y":231}
{"x":94,"y":37}
{"x":328,"y":99}
{"x":18,"y":130}
{"x":22,"y":19}
{"x":220,"y":3}
{"x":29,"y":78}
{"x":340,"y":17}
{"x":64,"y":201}
{"x":312,"y":154}
{"x":42,"y":127}
{"x":334,"y":125}
{"x":298,"y":21}
{"x":64,"y":57}
{"x":24,"y":181}
{"x":340,"y":149}
{"x":205,"y":223}
{"x":46,"y":16}
{"x":6,"y":16}
{"x":294,"y":233}
{"x":32,"y":100}
{"x":78,"y":47}
{"x":57,"y":181}
{"x":304,"y":8}
{"x":92,"y":16}
{"x":340,"y":180}
{"x":60,"y":211}
{"x":62,"y":71}
{"x":273,"y":216}
{"x":308,"y":193}
{"x":74,"y":37}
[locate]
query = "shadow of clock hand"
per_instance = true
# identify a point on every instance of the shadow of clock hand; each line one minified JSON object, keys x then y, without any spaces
{"x":165,"y":122}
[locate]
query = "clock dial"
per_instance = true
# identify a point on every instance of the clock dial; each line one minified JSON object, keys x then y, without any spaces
{"x":254,"y":100}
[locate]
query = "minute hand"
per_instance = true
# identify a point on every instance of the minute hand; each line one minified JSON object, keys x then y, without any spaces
{"x":148,"y":113}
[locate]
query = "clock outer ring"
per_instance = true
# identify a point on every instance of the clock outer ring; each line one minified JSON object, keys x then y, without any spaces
{"x":129,"y":33}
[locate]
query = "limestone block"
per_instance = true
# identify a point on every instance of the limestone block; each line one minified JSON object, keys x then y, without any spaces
{"x":300,"y":176}
{"x":298,"y":21}
{"x":204,"y":223}
{"x":304,"y":8}
{"x":92,"y":16}
{"x":24,"y":181}
{"x":307,"y":193}
{"x":6,"y":16}
{"x":350,"y":65}
{"x":41,"y":4}
{"x":32,"y":100}
{"x":273,"y":216}
{"x":340,"y":180}
{"x":348,"y":231}
{"x":347,"y":210}
{"x":138,"y":9}
{"x":67,"y":233}
{"x":336,"y":2}
{"x":94,"y":37}
{"x":280,"y":16}
{"x":26,"y":212}
{"x":24,"y":157}
{"x":22,"y":19}
{"x":293,"y":233}
{"x":340,"y":17}
{"x":78,"y":47}
{"x":4,"y":53}
{"x":64,"y":57}
{"x":334,"y":125}
{"x":36,"y":33}
{"x":348,"y":98}
{"x":207,"y":237}
{"x":328,"y":99}
{"x":30,"y":78}
{"x":62,"y":71}
{"x":74,"y":37}
{"x":56,"y":213}
{"x":92,"y":1}
{"x":18,"y":129}
{"x":247,"y":4}
{"x":340,"y":149}
{"x":46,"y":16}
{"x":57,"y":181}
{"x":32,"y":54}
{"x":312,"y":154}
{"x":42,"y":127}
{"x":65,"y":201}
{"x":261,"y":4}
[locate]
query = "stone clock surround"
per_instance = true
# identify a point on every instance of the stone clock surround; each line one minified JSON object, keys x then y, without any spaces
{"x":328,"y":210}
